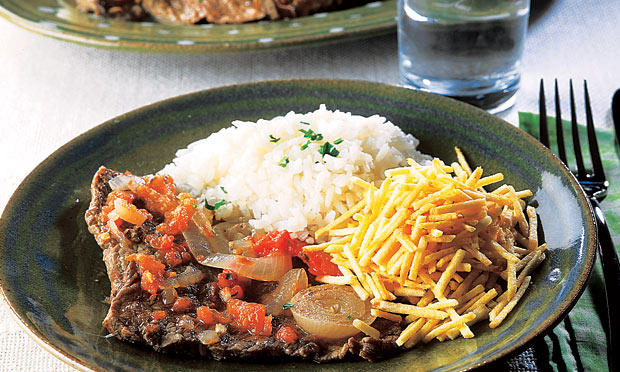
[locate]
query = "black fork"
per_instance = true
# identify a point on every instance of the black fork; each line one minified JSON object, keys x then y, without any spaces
{"x":595,"y":186}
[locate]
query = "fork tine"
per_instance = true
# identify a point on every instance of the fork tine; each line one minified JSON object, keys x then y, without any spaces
{"x":543,"y":130}
{"x":597,"y":165}
{"x":581,"y":171}
{"x":559,"y":130}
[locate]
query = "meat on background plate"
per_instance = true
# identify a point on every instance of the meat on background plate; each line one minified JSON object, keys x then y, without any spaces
{"x":211,"y":11}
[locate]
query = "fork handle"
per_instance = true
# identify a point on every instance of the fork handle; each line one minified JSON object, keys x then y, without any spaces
{"x":611,"y":275}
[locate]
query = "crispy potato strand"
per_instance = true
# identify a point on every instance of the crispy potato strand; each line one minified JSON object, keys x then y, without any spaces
{"x":433,"y":249}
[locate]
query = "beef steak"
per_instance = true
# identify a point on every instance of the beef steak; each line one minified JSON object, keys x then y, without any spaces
{"x":132,"y":314}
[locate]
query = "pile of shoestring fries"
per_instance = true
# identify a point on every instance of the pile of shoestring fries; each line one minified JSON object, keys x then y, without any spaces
{"x":434,"y":250}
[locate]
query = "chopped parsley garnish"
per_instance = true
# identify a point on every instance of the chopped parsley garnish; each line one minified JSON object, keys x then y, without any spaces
{"x":287,"y":306}
{"x":328,"y":149}
{"x":311,"y":135}
{"x":273,"y":139}
{"x":338,"y":141}
{"x":194,"y":205}
{"x":349,"y":317}
{"x":223,"y":189}
{"x":215,"y":206}
{"x":229,"y":276}
{"x":283,"y":162}
{"x":304,"y":123}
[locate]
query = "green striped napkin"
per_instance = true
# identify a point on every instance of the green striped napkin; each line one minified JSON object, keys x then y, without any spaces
{"x":578,"y":343}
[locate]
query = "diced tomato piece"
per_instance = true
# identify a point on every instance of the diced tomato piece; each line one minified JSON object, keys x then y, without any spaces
{"x":177,"y":220}
{"x":281,"y":243}
{"x":118,"y":222}
{"x":147,"y":262}
{"x":230,"y":279}
{"x":267,"y":327}
{"x":112,"y":196}
{"x":226,"y":278}
{"x":237,"y":291}
{"x":220,"y":317}
{"x":171,"y":253}
{"x":151,"y":271}
{"x":158,"y":194}
{"x":158,"y":314}
{"x":163,"y":184}
{"x":205,"y":315}
{"x":319,"y":263}
{"x":287,"y":334}
{"x":158,"y":241}
{"x":296,"y":247}
{"x":182,"y":305}
{"x":272,"y":243}
{"x":249,"y":317}
{"x":228,"y":293}
{"x":173,"y":259}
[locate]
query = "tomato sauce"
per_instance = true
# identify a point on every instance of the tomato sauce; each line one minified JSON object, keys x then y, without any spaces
{"x":281,"y":243}
{"x":249,"y":316}
{"x":151,"y":271}
{"x":158,"y":195}
{"x":287,"y":335}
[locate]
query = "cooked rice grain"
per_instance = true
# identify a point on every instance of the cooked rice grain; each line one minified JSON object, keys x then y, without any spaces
{"x":244,"y":166}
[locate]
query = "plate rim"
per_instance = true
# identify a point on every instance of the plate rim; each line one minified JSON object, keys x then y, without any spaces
{"x":152,"y":47}
{"x":519,"y":346}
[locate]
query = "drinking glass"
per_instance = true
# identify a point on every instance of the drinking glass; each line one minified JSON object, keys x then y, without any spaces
{"x":466,"y":49}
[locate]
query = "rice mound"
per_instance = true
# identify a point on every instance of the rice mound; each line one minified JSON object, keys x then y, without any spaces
{"x":245,"y":167}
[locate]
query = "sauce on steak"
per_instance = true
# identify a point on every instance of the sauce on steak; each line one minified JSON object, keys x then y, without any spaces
{"x":168,"y":317}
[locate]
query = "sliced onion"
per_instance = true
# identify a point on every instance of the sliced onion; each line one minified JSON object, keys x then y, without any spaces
{"x":202,"y":218}
{"x":190,"y":276}
{"x":329,"y":310}
{"x":218,"y":244}
{"x":208,"y":337}
{"x":270,"y":268}
{"x":168,"y":295}
{"x":233,"y":230}
{"x":125,"y":182}
{"x":202,"y":226}
{"x":196,"y":242}
{"x":292,"y":282}
{"x":128,"y":212}
{"x":201,"y":245}
{"x":116,"y":232}
{"x":242,"y":247}
{"x":186,"y":323}
{"x":212,"y":250}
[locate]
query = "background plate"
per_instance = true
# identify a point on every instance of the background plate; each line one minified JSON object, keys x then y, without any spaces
{"x":60,"y":19}
{"x":53,"y":277}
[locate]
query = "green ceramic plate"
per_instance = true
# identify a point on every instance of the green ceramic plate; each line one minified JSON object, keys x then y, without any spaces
{"x":60,"y":19}
{"x":53,"y":277}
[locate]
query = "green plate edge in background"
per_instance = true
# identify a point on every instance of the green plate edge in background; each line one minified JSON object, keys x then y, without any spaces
{"x":61,"y":20}
{"x":53,"y":277}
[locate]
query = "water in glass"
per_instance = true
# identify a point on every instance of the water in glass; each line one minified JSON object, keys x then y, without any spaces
{"x":467,"y":49}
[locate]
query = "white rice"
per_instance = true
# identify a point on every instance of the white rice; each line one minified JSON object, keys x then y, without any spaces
{"x":242,"y":166}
